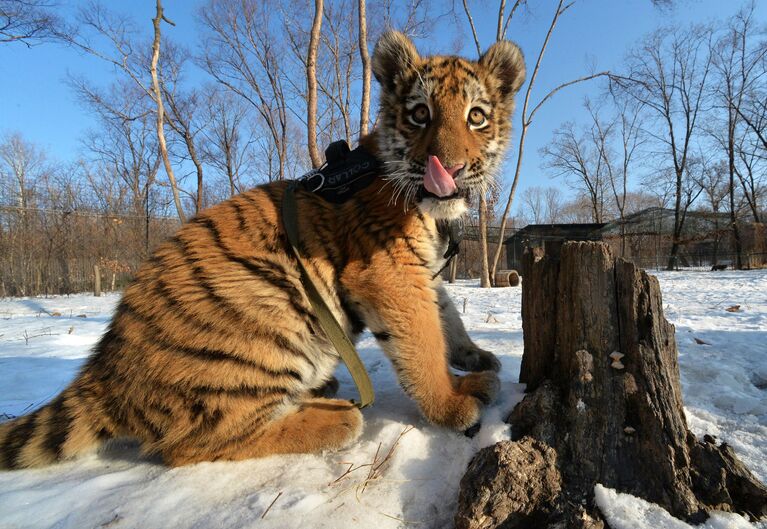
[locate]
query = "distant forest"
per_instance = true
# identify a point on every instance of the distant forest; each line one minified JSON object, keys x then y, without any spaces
{"x":685,"y":115}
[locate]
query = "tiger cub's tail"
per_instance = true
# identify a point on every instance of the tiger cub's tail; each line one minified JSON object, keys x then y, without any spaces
{"x":71,"y":424}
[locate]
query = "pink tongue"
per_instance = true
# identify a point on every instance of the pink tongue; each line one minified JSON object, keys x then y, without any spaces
{"x":437,"y":180}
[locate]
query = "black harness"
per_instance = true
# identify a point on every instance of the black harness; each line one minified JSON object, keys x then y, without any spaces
{"x":346,"y":172}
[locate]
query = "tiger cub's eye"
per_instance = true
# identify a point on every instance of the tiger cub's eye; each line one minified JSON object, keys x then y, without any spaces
{"x":420,"y":115}
{"x":477,"y":117}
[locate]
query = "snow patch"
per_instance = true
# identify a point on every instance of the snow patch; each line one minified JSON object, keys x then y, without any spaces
{"x":624,"y":511}
{"x":724,"y":386}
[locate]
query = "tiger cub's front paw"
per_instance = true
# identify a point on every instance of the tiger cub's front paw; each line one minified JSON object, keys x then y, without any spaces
{"x":483,"y":385}
{"x":463,"y":408}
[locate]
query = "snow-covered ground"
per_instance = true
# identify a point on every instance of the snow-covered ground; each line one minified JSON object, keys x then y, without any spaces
{"x":416,"y":467}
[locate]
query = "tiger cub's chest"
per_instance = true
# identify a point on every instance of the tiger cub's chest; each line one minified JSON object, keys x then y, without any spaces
{"x":439,"y":239}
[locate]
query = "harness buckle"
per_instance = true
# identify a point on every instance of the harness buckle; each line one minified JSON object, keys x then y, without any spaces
{"x":308,"y":184}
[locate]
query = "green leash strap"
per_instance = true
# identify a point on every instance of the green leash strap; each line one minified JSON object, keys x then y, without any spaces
{"x":328,"y":321}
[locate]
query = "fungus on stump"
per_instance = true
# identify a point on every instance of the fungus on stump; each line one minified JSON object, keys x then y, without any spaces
{"x":603,"y":406}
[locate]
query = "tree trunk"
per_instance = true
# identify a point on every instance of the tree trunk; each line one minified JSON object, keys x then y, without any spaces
{"x":161,"y":110}
{"x":96,"y":281}
{"x":366,"y":69}
{"x":603,"y":407}
{"x":671,"y":265}
{"x":229,"y":164}
{"x":189,"y":140}
{"x":311,"y":85}
{"x":484,"y":277}
{"x":733,"y":213}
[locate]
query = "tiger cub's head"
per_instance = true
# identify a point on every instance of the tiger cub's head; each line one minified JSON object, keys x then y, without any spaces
{"x":444,"y":121}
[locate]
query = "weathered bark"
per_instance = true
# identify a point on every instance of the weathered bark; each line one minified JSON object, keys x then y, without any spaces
{"x":528,"y":494}
{"x":619,"y":422}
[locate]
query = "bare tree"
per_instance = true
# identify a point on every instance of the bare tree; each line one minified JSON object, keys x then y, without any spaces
{"x":532,"y":209}
{"x":541,"y":205}
{"x":578,"y":210}
{"x":752,"y":175}
{"x":125,"y":145}
{"x":120,"y":35}
{"x":668,"y":75}
{"x":29,"y":21}
{"x":160,"y":114}
{"x":228,"y":145}
{"x":183,"y":113}
{"x":754,"y":113}
{"x":416,"y":18}
{"x":311,"y":85}
{"x":739,"y":67}
{"x":366,"y":67}
{"x":71,"y":217}
{"x":712,"y":180}
{"x":339,"y":46}
{"x":241,"y":50}
{"x":581,"y":160}
{"x":554,"y":201}
{"x":23,"y":169}
{"x":21,"y":163}
{"x":625,"y":129}
{"x":341,"y":70}
{"x":681,"y":193}
{"x":528,"y":115}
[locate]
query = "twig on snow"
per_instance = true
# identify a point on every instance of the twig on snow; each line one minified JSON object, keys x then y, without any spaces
{"x":402,"y":520}
{"x":271,"y":504}
{"x":376,"y":468}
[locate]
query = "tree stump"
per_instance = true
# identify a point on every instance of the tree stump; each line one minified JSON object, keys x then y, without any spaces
{"x":603,"y":406}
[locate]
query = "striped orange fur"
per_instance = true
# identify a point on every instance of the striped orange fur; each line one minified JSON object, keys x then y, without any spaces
{"x":214,"y":351}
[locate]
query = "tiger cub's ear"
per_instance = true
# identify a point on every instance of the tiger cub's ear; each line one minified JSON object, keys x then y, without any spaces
{"x":394,"y":53}
{"x":505,"y":60}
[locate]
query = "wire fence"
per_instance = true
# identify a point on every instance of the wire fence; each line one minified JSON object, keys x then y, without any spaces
{"x":700,"y":261}
{"x":54,"y":251}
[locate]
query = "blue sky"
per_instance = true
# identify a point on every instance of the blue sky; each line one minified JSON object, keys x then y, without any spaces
{"x":593,"y":35}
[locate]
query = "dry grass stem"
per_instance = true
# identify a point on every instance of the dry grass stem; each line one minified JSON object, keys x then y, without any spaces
{"x":376,"y":468}
{"x":402,"y":520}
{"x":271,"y":504}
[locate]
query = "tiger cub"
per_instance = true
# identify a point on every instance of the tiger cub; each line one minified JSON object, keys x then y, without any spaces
{"x":214,"y":352}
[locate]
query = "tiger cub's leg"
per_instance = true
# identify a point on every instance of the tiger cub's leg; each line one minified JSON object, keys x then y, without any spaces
{"x":313,"y":425}
{"x":405,"y":319}
{"x":463,"y":353}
